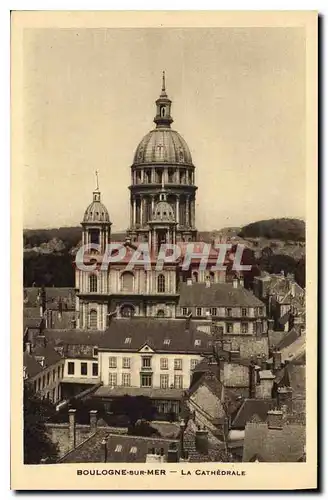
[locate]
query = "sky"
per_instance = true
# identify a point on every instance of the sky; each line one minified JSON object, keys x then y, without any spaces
{"x":238,"y":100}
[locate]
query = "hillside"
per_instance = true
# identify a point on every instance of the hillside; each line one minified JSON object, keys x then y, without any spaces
{"x":273,"y":245}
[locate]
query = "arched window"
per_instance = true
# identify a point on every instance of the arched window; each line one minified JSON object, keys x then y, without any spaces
{"x":195,"y":276}
{"x":93,"y":283}
{"x":93,"y":319}
{"x":127,"y":311}
{"x":127,"y":279}
{"x":160,"y":313}
{"x":163,"y":111}
{"x":161,"y":283}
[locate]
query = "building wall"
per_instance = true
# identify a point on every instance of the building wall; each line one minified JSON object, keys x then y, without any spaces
{"x":92,"y":379}
{"x":47,"y":383}
{"x":235,"y":375}
{"x":136,"y":364}
{"x":204,"y":400}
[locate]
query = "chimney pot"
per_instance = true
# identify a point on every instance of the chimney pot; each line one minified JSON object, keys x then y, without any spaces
{"x":277,"y":360}
{"x":93,"y":420}
{"x":72,"y":428}
{"x":275,"y":419}
{"x":201,"y":441}
{"x":285,"y":398}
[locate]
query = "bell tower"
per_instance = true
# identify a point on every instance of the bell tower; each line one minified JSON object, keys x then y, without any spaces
{"x":163,"y":108}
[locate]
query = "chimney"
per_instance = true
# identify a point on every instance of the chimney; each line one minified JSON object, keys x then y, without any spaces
{"x":227,"y":345}
{"x":270,"y":325}
{"x":72,"y":428}
{"x":235,"y":283}
{"x":188,"y":319}
{"x":275,"y":419}
{"x":201,"y":441}
{"x":284,"y":398}
{"x":40,"y":341}
{"x":28,"y":347}
{"x":252,"y":380}
{"x":93,"y":421}
{"x":173,"y":453}
{"x":277,"y":360}
{"x":43,"y":298}
{"x":234,"y":355}
{"x":189,"y":281}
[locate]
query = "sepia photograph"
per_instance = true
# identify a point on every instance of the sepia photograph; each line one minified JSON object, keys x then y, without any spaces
{"x":165,"y":275}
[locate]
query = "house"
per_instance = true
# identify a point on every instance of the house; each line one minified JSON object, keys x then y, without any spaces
{"x":43,"y":369}
{"x":233,"y":309}
{"x":151,"y":357}
{"x":275,"y":440}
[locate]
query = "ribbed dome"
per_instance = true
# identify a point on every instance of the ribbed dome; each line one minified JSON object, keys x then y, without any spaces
{"x":163,"y":145}
{"x":96,"y":211}
{"x":163,"y":212}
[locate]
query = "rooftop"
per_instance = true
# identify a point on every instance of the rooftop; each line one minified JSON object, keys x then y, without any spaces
{"x":216,"y":295}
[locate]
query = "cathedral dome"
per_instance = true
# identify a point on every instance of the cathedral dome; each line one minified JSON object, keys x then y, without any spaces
{"x":162,"y":145}
{"x":96,"y":211}
{"x":163,"y":212}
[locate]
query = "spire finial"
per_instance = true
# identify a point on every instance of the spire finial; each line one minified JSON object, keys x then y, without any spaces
{"x":163,"y":82}
{"x":97,"y":181}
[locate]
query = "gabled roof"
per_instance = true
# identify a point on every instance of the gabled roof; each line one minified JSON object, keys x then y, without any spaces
{"x":183,"y":335}
{"x":31,"y":364}
{"x":250,"y":408}
{"x":120,"y":448}
{"x":216,"y":295}
{"x":274,"y":445}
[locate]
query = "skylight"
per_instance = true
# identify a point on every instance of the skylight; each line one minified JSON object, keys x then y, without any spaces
{"x":133,"y":449}
{"x":128,"y":340}
{"x":167,"y":341}
{"x":118,"y":447}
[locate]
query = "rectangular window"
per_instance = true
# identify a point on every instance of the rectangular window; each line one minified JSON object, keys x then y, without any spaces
{"x":95,"y":352}
{"x":71,"y":368}
{"x":244,"y":312}
{"x":178,"y":381}
{"x":164,"y":364}
{"x":178,"y":364}
{"x":260,"y":311}
{"x":146,"y":380}
{"x":48,"y":378}
{"x":214,"y":311}
{"x":126,"y":379}
{"x":84,"y":368}
{"x":198,"y":311}
{"x":244,"y":328}
{"x":164,"y":381}
{"x":112,"y":362}
{"x":95,"y":369}
{"x":146,"y":362}
{"x":112,"y":379}
{"x":228,"y":312}
{"x":126,"y":363}
{"x":229,"y":327}
{"x":193,"y":363}
{"x":184,"y":311}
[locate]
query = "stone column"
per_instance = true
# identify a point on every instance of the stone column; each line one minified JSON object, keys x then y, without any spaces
{"x":187,"y":212}
{"x":141,"y":211}
{"x":152,"y":203}
{"x":134,"y":212}
{"x":177,"y":209}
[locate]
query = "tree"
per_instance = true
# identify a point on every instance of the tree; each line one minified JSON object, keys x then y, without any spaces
{"x":134,"y":407}
{"x":37,"y":445}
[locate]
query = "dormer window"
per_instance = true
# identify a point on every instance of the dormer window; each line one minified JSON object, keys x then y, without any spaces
{"x":167,"y":341}
{"x":197,"y":342}
{"x":127,"y":340}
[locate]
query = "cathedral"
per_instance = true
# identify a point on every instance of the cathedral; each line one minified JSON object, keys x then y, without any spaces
{"x":162,"y":210}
